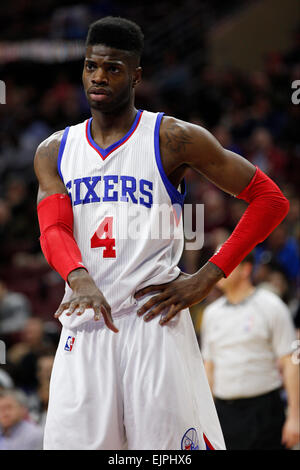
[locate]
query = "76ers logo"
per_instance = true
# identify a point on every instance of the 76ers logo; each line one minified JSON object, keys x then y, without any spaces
{"x":69,"y":343}
{"x":190,"y":440}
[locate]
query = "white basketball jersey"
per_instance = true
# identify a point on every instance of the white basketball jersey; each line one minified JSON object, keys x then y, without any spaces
{"x":123,"y":203}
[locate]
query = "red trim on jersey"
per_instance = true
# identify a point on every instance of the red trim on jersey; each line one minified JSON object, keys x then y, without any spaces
{"x":208,"y":443}
{"x":121,"y":140}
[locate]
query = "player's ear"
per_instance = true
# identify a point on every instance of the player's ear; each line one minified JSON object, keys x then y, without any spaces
{"x":137,"y":76}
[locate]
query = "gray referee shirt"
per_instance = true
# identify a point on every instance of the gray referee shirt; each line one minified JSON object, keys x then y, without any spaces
{"x":244,"y":342}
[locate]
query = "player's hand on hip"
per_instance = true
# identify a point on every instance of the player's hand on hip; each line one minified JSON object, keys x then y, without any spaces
{"x":172,"y":297}
{"x":86,"y":295}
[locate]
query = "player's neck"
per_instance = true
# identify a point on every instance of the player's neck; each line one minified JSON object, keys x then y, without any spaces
{"x":109,"y":125}
{"x":238,"y":293}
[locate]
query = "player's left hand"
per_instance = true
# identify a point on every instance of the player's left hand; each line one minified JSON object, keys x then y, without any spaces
{"x":184,"y":291}
{"x":291,"y":432}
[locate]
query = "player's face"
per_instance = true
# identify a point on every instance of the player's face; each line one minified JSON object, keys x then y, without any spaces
{"x":109,"y":76}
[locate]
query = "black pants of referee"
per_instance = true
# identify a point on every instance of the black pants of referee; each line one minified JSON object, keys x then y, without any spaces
{"x":252,"y":423}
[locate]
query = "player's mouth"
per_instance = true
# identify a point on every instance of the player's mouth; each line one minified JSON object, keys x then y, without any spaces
{"x":98,"y":94}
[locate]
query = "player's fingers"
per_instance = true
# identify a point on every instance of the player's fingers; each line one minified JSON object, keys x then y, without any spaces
{"x":82,"y":307}
{"x":174,"y":309}
{"x":156,"y":299}
{"x":61,"y":309}
{"x":149,"y":289}
{"x":72,"y":308}
{"x":97,"y":312}
{"x":106,"y":312}
{"x":158,"y":309}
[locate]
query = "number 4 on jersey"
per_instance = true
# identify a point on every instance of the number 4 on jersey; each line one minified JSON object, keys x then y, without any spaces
{"x":103,"y":238}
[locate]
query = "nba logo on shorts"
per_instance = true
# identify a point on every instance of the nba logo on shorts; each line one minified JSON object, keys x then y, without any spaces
{"x":69,"y":343}
{"x":190,"y":440}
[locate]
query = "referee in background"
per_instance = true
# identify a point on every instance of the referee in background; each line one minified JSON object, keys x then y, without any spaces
{"x":246,"y":343}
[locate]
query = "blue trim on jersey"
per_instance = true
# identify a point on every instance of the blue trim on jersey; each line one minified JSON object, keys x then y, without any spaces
{"x":61,"y":151}
{"x":108,"y":150}
{"x":175,"y":196}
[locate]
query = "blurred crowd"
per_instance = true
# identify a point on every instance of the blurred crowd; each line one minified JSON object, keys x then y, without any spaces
{"x":251,"y":114}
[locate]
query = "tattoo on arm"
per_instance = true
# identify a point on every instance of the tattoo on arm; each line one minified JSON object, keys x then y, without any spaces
{"x":176,"y":139}
{"x":50,"y":147}
{"x":45,"y":166}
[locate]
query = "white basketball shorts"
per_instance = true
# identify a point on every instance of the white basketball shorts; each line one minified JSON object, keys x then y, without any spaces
{"x":142,"y":388}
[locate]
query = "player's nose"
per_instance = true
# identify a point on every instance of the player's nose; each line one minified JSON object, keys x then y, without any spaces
{"x":99,"y":76}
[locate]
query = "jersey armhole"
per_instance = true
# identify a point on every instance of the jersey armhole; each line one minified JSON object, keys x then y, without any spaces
{"x":61,"y":151}
{"x":176,"y":196}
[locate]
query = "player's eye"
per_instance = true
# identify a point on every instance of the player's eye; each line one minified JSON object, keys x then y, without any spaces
{"x":89,"y":65}
{"x":114,"y":69}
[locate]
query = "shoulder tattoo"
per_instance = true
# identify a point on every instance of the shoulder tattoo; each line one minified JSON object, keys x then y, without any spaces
{"x":176,"y":138}
{"x":49,"y":148}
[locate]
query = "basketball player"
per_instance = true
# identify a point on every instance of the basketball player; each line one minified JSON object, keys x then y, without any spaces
{"x":120,"y":380}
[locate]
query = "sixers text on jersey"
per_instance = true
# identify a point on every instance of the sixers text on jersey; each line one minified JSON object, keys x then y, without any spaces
{"x":110,"y":188}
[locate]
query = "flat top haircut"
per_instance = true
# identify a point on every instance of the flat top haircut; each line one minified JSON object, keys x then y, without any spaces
{"x":118,"y":33}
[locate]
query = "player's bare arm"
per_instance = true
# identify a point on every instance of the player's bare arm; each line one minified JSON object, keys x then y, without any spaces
{"x":45,"y":167}
{"x":186,"y":145}
{"x":85,"y":292}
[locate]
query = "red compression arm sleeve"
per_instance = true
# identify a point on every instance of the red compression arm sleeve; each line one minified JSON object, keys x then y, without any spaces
{"x":267,"y":208}
{"x":60,"y":249}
